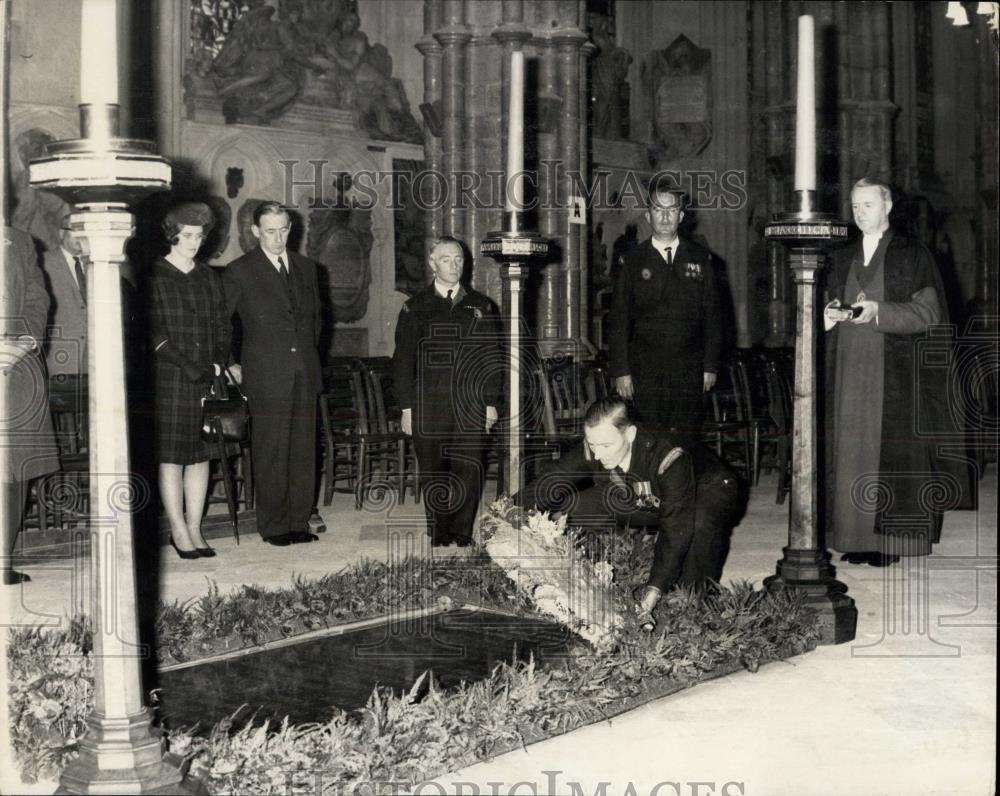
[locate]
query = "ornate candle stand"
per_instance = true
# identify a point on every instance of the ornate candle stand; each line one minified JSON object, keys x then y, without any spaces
{"x":514,"y":249}
{"x":805,"y":566}
{"x":102,"y":174}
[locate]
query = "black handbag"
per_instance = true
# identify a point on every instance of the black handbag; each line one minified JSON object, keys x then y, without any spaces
{"x":222,"y":413}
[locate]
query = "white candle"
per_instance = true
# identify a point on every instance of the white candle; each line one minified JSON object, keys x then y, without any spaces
{"x":515,"y":134}
{"x":99,"y":52}
{"x":805,"y":110}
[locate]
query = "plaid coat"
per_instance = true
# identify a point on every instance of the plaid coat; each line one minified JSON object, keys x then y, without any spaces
{"x":191,"y":331}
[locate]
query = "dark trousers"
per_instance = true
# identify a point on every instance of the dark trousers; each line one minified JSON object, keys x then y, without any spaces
{"x":451,"y":482}
{"x":691,"y":553}
{"x":15,"y":498}
{"x":283,"y":446}
{"x":671,"y":400}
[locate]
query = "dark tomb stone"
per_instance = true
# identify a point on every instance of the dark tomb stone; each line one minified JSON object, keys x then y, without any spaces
{"x":306,"y":680}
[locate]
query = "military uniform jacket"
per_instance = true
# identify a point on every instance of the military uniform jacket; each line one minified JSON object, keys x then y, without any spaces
{"x":448,"y":366}
{"x":665,"y":316}
{"x":663,"y":478}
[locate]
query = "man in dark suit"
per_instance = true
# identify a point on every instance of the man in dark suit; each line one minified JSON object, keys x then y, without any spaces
{"x":447,"y":373}
{"x":66,"y":335}
{"x":274,"y":293}
{"x":665,"y":325}
{"x":27,"y":444}
{"x":625,"y":476}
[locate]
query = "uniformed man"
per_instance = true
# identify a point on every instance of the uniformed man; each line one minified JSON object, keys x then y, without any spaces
{"x":625,"y":477}
{"x":665,"y":325}
{"x":447,"y":374}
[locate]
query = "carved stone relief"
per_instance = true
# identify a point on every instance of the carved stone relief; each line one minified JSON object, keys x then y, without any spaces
{"x":269,"y":59}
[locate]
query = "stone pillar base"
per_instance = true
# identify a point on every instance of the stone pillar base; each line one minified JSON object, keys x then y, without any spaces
{"x":808,"y":572}
{"x":122,"y":756}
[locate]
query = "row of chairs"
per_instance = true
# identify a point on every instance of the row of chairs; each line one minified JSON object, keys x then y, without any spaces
{"x":363,"y":445}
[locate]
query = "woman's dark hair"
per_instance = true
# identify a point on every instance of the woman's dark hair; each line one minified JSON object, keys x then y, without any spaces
{"x":188,"y":214}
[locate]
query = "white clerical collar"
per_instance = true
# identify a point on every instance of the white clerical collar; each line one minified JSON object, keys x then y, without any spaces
{"x":274,"y":259}
{"x":869,"y":243}
{"x":442,"y":290}
{"x":662,"y":247}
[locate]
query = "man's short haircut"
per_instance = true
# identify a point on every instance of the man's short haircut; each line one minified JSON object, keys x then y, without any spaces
{"x":441,"y":240}
{"x":612,"y":408}
{"x":873,"y":182}
{"x":269,"y":208}
{"x":663,"y":184}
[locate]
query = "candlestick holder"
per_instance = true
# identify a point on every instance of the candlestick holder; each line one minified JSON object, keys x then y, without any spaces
{"x":514,"y":249}
{"x":101,"y":174}
{"x":805,"y":565}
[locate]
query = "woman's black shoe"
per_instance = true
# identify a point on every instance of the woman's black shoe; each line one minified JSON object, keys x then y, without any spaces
{"x":881,"y":560}
{"x":185,"y":554}
{"x":12,"y":577}
{"x":205,"y":552}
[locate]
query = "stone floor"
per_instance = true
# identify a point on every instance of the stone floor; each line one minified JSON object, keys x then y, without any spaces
{"x":908,"y":708}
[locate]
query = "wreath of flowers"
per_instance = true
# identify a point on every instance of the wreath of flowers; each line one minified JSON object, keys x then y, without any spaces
{"x":548,"y":564}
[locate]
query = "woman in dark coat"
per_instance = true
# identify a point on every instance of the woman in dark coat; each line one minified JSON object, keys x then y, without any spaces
{"x":191,"y":336}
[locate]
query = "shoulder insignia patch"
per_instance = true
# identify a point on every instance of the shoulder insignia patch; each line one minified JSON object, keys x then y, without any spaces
{"x":671,"y":457}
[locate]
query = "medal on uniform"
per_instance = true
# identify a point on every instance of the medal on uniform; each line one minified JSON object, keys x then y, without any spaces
{"x":647,"y":274}
{"x":477,"y":313}
{"x":644,"y":496}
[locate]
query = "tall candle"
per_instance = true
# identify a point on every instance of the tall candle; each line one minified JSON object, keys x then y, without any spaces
{"x":99,"y":52}
{"x":515,"y":134}
{"x":805,"y":110}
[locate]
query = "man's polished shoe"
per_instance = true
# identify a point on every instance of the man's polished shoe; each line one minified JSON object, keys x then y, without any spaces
{"x":12,"y":577}
{"x":279,"y":540}
{"x":881,"y":560}
{"x":301,"y":537}
{"x":856,"y":558}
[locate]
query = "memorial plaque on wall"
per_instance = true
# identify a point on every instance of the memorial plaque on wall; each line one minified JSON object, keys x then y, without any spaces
{"x":678,"y":82}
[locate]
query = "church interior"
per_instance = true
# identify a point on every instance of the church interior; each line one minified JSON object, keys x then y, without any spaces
{"x":384,"y":124}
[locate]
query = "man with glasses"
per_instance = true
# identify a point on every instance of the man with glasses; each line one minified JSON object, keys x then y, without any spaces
{"x":664,"y":329}
{"x":274,"y":292}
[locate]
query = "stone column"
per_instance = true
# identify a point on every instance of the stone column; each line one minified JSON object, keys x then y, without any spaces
{"x":587,"y":50}
{"x":777,"y":123}
{"x":454,"y":39}
{"x":550,"y":300}
{"x":431,"y":50}
{"x":567,"y":42}
{"x":171,"y":19}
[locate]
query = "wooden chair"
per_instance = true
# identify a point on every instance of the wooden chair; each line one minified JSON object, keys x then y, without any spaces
{"x":387,"y":452}
{"x":344,"y":424}
{"x":729,"y":431}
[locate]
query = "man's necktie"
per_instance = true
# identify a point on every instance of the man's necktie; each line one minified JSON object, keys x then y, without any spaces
{"x":449,"y":296}
{"x":618,"y":476}
{"x":81,"y":279}
{"x":670,"y":255}
{"x":283,"y":270}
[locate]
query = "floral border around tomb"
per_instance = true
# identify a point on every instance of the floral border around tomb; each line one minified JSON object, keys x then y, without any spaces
{"x":405,"y":738}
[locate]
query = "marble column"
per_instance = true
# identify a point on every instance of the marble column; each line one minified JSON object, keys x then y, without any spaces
{"x":431,"y":49}
{"x":587,"y":50}
{"x":550,"y":301}
{"x":454,"y":38}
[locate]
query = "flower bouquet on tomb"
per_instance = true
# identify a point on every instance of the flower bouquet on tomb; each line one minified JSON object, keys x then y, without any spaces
{"x":549,"y":564}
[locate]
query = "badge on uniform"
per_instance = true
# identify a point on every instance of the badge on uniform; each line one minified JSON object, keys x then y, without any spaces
{"x":647,"y":274}
{"x":477,"y":313}
{"x":692,"y":270}
{"x":644,"y":497}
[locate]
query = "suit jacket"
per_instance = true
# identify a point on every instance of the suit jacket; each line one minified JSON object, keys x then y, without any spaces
{"x":665,"y":317}
{"x":66,"y":334}
{"x":27,"y":444}
{"x":279,"y":333}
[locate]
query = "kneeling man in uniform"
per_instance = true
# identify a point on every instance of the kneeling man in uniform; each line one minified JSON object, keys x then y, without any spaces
{"x":623,"y":476}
